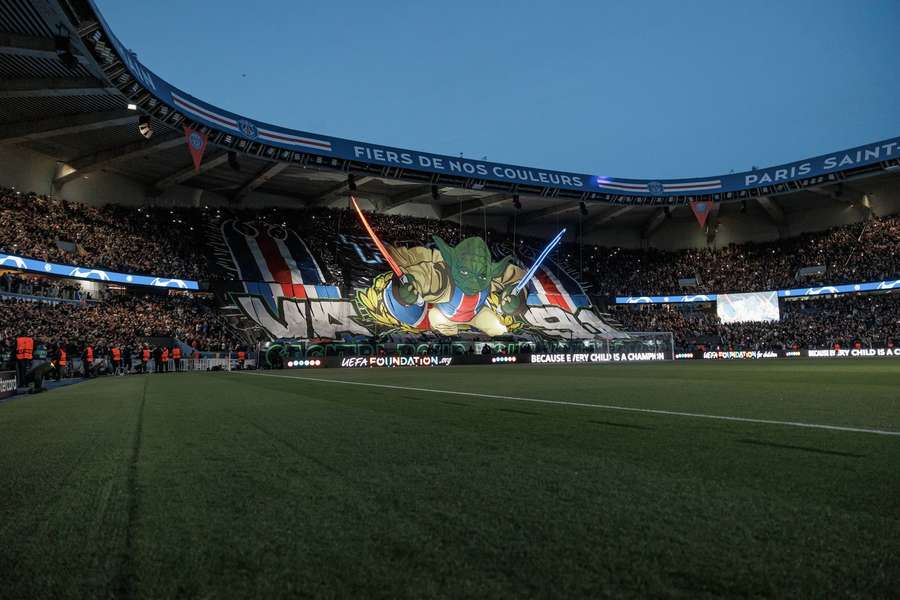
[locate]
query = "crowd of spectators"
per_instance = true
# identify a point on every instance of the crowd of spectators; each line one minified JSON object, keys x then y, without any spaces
{"x":871,"y":320}
{"x":31,"y":285}
{"x":848,"y":254}
{"x":121,"y":320}
{"x":151,"y":241}
{"x":164,"y":242}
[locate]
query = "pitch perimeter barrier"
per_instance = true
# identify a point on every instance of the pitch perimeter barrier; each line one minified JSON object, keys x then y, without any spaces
{"x":813,"y":353}
{"x":7,"y":383}
{"x":428,"y":361}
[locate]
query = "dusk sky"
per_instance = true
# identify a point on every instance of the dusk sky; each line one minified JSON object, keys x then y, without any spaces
{"x":654,"y":89}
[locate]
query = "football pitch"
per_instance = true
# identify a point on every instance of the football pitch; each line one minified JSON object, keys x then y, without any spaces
{"x":778,"y":478}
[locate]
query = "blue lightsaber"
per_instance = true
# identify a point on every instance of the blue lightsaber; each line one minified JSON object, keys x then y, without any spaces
{"x":537,"y":263}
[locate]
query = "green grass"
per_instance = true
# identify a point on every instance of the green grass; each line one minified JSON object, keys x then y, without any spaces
{"x":237,"y":485}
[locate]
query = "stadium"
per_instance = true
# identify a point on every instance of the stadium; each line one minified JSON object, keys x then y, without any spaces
{"x":239,"y":359}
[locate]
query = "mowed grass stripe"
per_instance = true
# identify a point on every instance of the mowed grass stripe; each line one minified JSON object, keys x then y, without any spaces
{"x":587,"y":405}
{"x":858,"y":394}
{"x":266,"y":487}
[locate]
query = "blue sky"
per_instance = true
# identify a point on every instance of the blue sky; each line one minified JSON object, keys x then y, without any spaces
{"x":624,"y":89}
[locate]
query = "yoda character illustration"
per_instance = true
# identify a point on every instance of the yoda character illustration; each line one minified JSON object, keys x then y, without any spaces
{"x":448,"y":288}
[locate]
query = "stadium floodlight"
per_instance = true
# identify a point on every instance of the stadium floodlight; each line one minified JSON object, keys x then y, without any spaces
{"x":132,"y":106}
{"x":145,"y":128}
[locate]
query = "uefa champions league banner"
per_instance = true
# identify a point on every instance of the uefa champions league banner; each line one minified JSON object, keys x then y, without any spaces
{"x":330,"y":147}
{"x":22,"y":263}
{"x":845,"y":288}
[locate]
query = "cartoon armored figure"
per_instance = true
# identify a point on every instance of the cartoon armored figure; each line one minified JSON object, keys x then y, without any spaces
{"x":448,"y":288}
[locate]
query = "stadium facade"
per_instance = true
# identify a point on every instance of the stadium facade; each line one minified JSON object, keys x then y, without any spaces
{"x":83,"y":118}
{"x":67,"y":130}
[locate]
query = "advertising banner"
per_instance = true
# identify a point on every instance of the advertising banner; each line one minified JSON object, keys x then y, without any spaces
{"x":7,"y":383}
{"x":79,"y":272}
{"x":844,"y":288}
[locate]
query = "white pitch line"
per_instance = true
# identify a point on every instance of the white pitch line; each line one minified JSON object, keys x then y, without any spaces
{"x":653,"y":411}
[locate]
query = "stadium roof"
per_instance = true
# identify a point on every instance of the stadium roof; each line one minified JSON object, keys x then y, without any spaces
{"x":66,"y":83}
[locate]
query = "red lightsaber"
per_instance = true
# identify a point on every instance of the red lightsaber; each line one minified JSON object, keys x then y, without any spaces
{"x":381,"y":248}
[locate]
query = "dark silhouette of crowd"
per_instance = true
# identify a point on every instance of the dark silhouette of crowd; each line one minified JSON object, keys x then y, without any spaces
{"x":872,"y":320}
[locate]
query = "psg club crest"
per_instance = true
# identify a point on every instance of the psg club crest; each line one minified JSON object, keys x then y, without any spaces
{"x":701,"y":211}
{"x":247,"y":128}
{"x":655,"y":187}
{"x":196,"y":141}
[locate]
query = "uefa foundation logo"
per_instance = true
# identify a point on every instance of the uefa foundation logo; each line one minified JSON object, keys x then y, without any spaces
{"x":247,"y":128}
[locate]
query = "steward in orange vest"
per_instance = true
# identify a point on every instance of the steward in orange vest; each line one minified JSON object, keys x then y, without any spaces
{"x":145,"y":358}
{"x":116,"y":357}
{"x":176,"y":356}
{"x":24,"y":348}
{"x":242,"y":356}
{"x":62,"y":359}
{"x":88,"y":358}
{"x":165,"y":360}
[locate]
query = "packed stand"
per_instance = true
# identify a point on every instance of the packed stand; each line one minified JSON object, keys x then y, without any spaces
{"x":867,"y":320}
{"x":164,"y":242}
{"x":849,"y":254}
{"x":122,"y":321}
{"x":31,"y":285}
{"x":151,"y":241}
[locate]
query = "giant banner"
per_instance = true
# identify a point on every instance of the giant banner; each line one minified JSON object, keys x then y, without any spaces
{"x":277,"y":280}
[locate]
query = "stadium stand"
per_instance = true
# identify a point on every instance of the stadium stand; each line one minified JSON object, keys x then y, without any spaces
{"x":146,"y":240}
{"x":850,"y":253}
{"x":868,"y":321}
{"x":152,"y":239}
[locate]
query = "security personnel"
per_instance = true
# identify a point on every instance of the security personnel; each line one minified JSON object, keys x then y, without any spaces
{"x":145,"y":358}
{"x":87,"y":358}
{"x":165,"y":360}
{"x":116,"y":358}
{"x":242,"y":356}
{"x":176,"y":357}
{"x":157,"y":359}
{"x":62,"y":361}
{"x":127,"y":358}
{"x":24,"y":354}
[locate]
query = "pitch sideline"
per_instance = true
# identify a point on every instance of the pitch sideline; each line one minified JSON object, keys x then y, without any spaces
{"x":654,"y":411}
